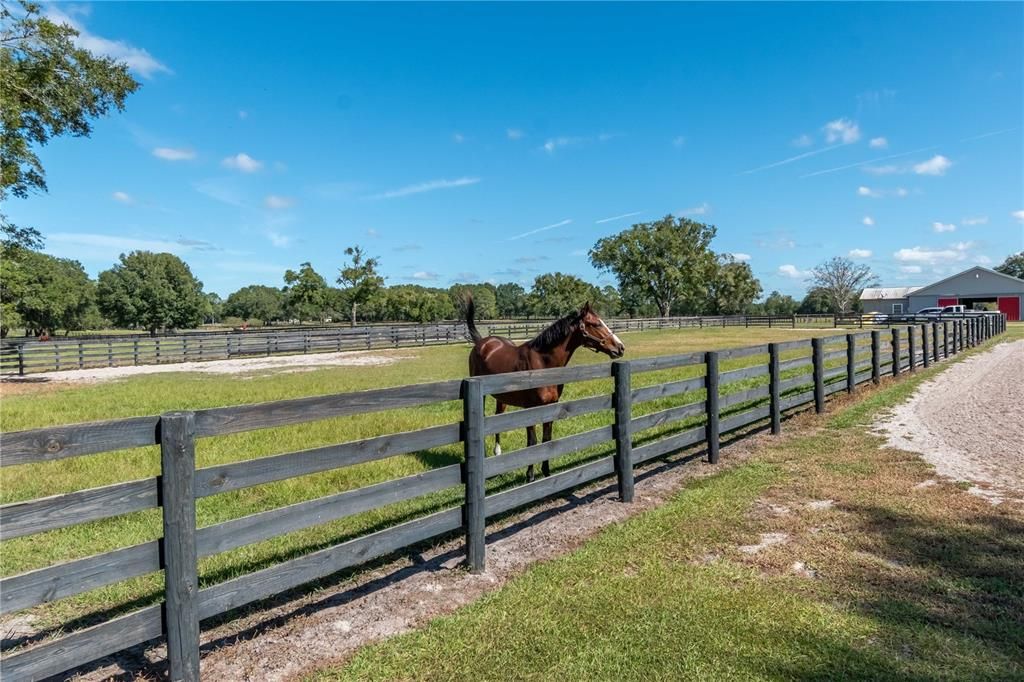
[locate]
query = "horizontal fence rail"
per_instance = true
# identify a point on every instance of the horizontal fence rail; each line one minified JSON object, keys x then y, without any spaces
{"x":29,"y":356}
{"x":729,"y":391}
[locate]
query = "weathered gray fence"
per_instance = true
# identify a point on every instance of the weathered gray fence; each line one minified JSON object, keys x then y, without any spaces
{"x":758,"y":383}
{"x":22,"y":356}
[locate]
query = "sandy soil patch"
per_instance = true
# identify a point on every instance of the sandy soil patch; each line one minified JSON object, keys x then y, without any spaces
{"x":285,"y":363}
{"x":968,"y":422}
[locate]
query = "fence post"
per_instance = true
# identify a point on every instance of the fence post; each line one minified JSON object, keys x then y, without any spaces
{"x":178,"y":503}
{"x":911,"y":346}
{"x":935,"y":341}
{"x":474,"y":515}
{"x":773,"y":387}
{"x":876,"y":360}
{"x":925,"y":359}
{"x":21,"y":359}
{"x":623,"y":403}
{"x":896,"y":351}
{"x":711,"y":406}
{"x":818,"y":359}
{"x":851,"y":362}
{"x":945,"y":340}
{"x":81,"y":356}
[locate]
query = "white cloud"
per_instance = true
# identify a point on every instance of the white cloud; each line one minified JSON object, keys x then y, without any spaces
{"x":889,"y":169}
{"x":878,"y":143}
{"x":678,"y":140}
{"x":458,"y":138}
{"x":792,"y":272}
{"x":742,"y":257}
{"x":171,"y":154}
{"x":910,"y":269}
{"x":112,"y":245}
{"x":277,"y":239}
{"x":876,"y":193}
{"x":858,"y":164}
{"x":515,"y":134}
{"x":372,"y":233}
{"x":804,"y":140}
{"x":242,"y":114}
{"x":943,"y":227}
{"x":1019,"y":215}
{"x":860,"y":253}
{"x":842,"y":130}
{"x":276,"y":201}
{"x":242,"y":162}
{"x":975,"y":220}
{"x":703,"y":209}
{"x":541,"y":229}
{"x":869,"y":221}
{"x":137,"y":59}
{"x":919,"y":255}
{"x":429,"y":186}
{"x":551,"y":144}
{"x":617,"y":217}
{"x":123,"y":197}
{"x":424,"y":276}
{"x":937,"y":165}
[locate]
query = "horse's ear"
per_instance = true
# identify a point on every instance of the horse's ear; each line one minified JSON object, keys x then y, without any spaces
{"x":586,"y":308}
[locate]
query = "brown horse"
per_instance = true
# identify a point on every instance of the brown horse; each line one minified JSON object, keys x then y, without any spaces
{"x":553,"y":347}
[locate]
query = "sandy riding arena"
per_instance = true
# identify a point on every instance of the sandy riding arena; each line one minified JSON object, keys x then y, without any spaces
{"x":969,"y":422}
{"x":283,"y":363}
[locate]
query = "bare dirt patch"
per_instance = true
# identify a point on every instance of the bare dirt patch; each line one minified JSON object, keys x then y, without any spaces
{"x":968,"y":422}
{"x":282,"y":363}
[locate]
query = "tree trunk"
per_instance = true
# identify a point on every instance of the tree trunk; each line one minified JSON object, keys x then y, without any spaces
{"x":354,"y":314}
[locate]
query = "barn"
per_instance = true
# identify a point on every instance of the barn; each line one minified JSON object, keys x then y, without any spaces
{"x":976,"y":288}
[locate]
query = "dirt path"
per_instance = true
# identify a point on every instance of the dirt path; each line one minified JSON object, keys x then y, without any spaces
{"x":969,"y":422}
{"x":286,"y":363}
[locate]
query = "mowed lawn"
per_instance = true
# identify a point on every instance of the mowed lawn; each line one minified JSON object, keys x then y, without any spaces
{"x":30,"y":406}
{"x":881,"y":573}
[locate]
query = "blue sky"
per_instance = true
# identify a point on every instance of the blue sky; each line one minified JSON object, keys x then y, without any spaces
{"x":498,"y":141}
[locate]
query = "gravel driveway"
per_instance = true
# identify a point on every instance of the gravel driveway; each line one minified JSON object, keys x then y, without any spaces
{"x":969,"y":422}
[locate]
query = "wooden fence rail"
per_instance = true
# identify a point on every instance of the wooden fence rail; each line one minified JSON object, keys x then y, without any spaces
{"x":22,"y":356}
{"x":722,"y":398}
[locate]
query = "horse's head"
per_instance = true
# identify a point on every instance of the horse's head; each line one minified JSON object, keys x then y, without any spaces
{"x":597,"y":336}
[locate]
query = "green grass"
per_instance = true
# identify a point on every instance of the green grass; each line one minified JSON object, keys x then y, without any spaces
{"x":915,"y":584}
{"x":42,"y":405}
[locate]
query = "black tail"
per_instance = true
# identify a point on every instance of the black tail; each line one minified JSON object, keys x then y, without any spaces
{"x":470,"y":324}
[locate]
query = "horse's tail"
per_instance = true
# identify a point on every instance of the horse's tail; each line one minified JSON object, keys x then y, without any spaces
{"x":470,"y":324}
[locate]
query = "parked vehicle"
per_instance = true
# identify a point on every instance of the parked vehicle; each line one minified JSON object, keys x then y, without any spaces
{"x":929,"y":312}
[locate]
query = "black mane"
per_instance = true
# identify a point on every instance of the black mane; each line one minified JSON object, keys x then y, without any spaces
{"x":556,"y":333}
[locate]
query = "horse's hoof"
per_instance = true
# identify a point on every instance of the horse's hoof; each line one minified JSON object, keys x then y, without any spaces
{"x":497,"y":450}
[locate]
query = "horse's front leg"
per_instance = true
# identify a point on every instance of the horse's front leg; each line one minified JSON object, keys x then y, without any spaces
{"x":531,"y":439}
{"x":497,"y":437}
{"x":545,"y":466}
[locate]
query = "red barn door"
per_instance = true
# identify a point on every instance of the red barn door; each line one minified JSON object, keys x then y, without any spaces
{"x":943,"y":302}
{"x":1010,"y":306}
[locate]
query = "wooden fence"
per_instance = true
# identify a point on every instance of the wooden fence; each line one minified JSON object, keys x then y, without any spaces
{"x":733,"y":389}
{"x":20,"y":356}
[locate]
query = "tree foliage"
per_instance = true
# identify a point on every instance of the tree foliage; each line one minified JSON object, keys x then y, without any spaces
{"x":360,"y":278}
{"x":840,"y":281}
{"x":555,"y":294}
{"x":484,"y":299}
{"x":779,"y":304}
{"x":816,"y":302}
{"x":151,"y":291}
{"x":733,"y":288}
{"x":1013,"y":265}
{"x":50,"y":87}
{"x":413,"y":303}
{"x":305,"y":293}
{"x":511,"y":300}
{"x":669,"y":260}
{"x":43,"y":294}
{"x":256,"y":302}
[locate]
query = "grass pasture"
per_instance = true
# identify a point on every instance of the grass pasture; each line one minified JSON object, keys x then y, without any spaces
{"x":879,"y":578}
{"x":43,"y":405}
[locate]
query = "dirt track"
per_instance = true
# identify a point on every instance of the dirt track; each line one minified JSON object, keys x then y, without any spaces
{"x":969,"y":422}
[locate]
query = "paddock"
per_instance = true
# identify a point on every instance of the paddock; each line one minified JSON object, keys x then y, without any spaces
{"x":615,"y":416}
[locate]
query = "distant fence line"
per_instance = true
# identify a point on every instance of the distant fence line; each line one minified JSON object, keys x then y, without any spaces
{"x":29,"y":356}
{"x":761,"y":384}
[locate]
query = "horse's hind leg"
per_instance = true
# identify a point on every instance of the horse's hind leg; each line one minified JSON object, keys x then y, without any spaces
{"x":545,"y":466}
{"x":497,"y":437}
{"x":531,"y":439}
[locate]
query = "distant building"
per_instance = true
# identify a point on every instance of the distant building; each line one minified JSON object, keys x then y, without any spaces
{"x":977,"y":288}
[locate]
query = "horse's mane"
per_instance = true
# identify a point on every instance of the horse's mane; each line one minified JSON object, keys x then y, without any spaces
{"x":555,"y":333}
